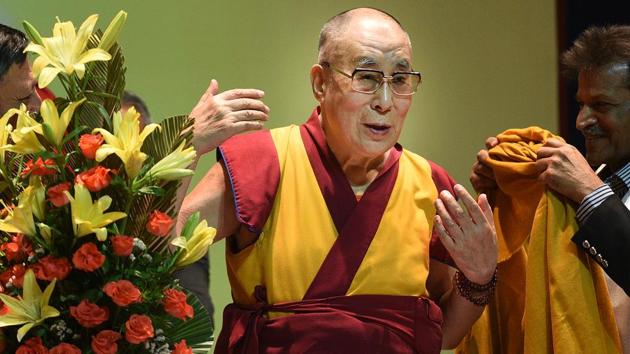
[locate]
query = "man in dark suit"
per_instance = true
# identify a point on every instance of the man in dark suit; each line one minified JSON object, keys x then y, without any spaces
{"x":600,"y":59}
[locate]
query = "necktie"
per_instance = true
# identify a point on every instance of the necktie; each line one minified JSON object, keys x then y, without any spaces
{"x":617,"y":185}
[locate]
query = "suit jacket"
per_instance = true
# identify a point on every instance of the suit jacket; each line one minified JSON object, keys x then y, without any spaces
{"x":605,"y":236}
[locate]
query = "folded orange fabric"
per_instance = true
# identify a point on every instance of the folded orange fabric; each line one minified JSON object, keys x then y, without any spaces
{"x":550,"y":297}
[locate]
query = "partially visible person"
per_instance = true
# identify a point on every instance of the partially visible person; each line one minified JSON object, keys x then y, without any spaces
{"x":17,"y":85}
{"x":600,"y":60}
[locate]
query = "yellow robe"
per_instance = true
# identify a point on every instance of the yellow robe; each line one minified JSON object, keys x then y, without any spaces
{"x":550,"y":297}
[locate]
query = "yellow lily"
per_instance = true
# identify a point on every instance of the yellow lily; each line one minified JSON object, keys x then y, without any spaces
{"x":5,"y":130}
{"x":32,"y":309}
{"x":113,"y":30}
{"x":20,"y":218}
{"x":126,"y":141}
{"x":37,"y":194}
{"x":88,"y":217}
{"x":65,"y":51}
{"x":196,"y":246}
{"x":54,"y":126}
{"x":24,"y":139}
{"x":173,"y":166}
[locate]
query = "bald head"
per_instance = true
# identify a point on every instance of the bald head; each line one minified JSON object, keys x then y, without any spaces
{"x":335,"y":28}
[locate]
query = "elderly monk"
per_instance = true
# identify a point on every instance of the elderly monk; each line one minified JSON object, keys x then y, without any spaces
{"x":334,"y":242}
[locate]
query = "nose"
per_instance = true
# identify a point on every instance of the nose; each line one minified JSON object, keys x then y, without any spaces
{"x":382,"y":102}
{"x":585,"y":118}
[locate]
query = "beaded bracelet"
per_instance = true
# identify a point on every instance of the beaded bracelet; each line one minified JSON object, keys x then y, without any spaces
{"x":478,"y":294}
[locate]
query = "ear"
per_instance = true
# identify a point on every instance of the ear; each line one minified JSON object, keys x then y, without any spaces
{"x":318,"y":82}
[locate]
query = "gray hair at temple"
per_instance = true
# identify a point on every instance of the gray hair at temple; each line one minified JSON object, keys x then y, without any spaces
{"x":12,"y":45}
{"x":597,"y":47}
{"x":130,"y":99}
{"x":337,"y":24}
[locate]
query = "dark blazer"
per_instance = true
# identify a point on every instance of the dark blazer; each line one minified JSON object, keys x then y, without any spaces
{"x":605,"y":236}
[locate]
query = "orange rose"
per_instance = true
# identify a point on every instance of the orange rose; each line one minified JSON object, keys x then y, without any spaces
{"x":122,"y":245}
{"x":159,"y":223}
{"x":17,"y":249}
{"x":182,"y":348}
{"x":138,"y":329}
{"x":89,"y":143}
{"x":65,"y":348}
{"x":175,"y":304}
{"x":123,"y":292}
{"x":105,"y":342}
{"x":39,"y":167}
{"x":56,"y":194}
{"x":32,"y":346}
{"x":49,"y":268}
{"x":88,"y":314}
{"x":94,"y":179}
{"x":88,"y":258}
{"x":15,"y":274}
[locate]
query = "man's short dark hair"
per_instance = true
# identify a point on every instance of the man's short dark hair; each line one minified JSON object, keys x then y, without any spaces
{"x":131,"y":99}
{"x":12,"y":45}
{"x":597,"y":47}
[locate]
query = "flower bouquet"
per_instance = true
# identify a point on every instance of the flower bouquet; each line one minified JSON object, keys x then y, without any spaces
{"x":88,"y":202}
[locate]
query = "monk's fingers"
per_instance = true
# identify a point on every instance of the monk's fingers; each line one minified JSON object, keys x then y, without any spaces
{"x":484,"y":204}
{"x":446,"y":239}
{"x":469,"y":202}
{"x":452,"y":227}
{"x":456,"y":211}
{"x":242,"y":104}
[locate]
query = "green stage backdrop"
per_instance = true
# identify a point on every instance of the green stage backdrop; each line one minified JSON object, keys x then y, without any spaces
{"x":487,"y":65}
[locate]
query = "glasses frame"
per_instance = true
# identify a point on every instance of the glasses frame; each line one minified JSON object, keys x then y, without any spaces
{"x":386,"y":78}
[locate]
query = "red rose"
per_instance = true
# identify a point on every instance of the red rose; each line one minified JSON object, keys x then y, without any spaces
{"x":88,"y":258}
{"x":89,"y":143}
{"x":33,"y":345}
{"x":88,"y":314}
{"x":15,"y":274}
{"x":123,"y":292}
{"x":159,"y":223}
{"x":94,"y":179}
{"x":175,"y":304}
{"x":65,"y":348}
{"x":105,"y":342}
{"x":122,"y":245}
{"x":49,"y":268}
{"x":57,"y":196}
{"x":138,"y":329}
{"x":39,"y":167}
{"x":17,"y":249}
{"x":182,"y":348}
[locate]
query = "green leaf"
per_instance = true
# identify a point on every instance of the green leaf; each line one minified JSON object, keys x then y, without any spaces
{"x":74,"y":133}
{"x":198,"y":331}
{"x":191,"y":223}
{"x":152,"y":190}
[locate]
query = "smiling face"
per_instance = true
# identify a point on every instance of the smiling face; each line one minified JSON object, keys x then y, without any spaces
{"x":358,"y":124}
{"x":604,"y":117}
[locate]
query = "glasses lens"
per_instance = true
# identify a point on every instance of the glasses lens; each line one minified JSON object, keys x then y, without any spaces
{"x":366,"y":81}
{"x":405,"y":83}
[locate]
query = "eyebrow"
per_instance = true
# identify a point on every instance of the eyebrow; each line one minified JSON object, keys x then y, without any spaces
{"x":364,"y":61}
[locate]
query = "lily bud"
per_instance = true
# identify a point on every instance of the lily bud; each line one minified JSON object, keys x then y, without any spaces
{"x":32,"y":33}
{"x":113,"y":30}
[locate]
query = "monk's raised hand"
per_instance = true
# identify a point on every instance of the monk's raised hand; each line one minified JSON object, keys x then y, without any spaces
{"x":218,"y":116}
{"x":468,"y":233}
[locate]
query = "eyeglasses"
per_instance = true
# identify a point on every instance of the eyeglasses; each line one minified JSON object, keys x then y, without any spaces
{"x":403,"y":83}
